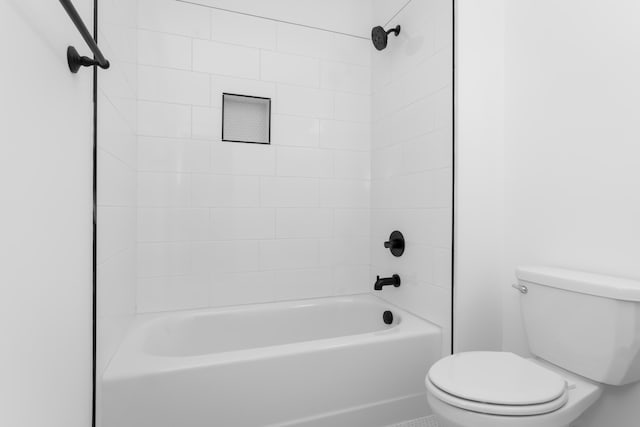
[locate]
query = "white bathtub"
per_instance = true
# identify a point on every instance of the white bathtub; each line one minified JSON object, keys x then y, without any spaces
{"x":320,"y":362}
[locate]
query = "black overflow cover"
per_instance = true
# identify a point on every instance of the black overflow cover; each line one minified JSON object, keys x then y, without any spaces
{"x":387,"y":316}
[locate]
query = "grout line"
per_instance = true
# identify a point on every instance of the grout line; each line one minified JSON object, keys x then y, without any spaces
{"x":428,"y":96}
{"x":272,"y":19}
{"x":120,"y":113}
{"x":213,"y":81}
{"x":250,"y":46}
{"x":397,"y":13}
{"x":307,"y":178}
{"x":333,"y":92}
{"x":190,"y":122}
{"x":129,"y":167}
{"x":166,"y":67}
{"x":210,"y":25}
{"x":102,"y":261}
{"x":187,"y":140}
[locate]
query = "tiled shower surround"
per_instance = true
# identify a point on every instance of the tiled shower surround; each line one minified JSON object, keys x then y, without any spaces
{"x":412,"y":156}
{"x":223,"y":223}
{"x":117,"y":166}
{"x":117,"y":171}
{"x":360,"y":145}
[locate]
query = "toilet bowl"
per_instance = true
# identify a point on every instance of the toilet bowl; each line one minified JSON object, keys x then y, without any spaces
{"x":495,"y":389}
{"x":575,"y":352}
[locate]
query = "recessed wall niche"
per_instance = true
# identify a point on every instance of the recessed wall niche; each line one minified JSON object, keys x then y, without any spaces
{"x":246,"y":118}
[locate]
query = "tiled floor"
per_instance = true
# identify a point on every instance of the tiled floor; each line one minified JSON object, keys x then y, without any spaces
{"x":419,"y":422}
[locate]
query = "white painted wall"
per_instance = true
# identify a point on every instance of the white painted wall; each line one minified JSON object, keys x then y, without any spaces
{"x":46,"y":231}
{"x":412,"y":159}
{"x":571,"y":152}
{"x":117,"y":179}
{"x":224,"y":223}
{"x":479,"y":221}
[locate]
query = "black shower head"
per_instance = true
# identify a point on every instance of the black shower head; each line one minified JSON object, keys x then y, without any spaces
{"x":379,"y":36}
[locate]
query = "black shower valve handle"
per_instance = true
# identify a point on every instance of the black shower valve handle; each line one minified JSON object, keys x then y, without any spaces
{"x":395,"y":243}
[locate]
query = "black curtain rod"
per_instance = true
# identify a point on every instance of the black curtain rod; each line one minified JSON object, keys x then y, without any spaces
{"x":73,"y":57}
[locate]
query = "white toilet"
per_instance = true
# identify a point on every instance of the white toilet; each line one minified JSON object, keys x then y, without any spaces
{"x":584,"y":330}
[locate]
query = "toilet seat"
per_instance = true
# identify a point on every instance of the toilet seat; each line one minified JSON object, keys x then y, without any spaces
{"x":497,"y":383}
{"x":493,"y":409}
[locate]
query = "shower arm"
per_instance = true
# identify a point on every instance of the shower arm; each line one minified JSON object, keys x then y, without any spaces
{"x":395,"y":30}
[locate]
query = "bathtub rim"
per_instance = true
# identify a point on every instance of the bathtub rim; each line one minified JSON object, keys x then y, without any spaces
{"x":131,"y":360}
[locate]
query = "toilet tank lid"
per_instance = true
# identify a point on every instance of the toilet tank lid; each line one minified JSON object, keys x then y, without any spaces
{"x":582,"y":282}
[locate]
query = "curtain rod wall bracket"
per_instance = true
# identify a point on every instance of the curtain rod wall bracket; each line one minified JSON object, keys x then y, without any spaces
{"x":76,"y":61}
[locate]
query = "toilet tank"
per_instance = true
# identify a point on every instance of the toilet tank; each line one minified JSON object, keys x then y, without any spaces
{"x":586,"y":323}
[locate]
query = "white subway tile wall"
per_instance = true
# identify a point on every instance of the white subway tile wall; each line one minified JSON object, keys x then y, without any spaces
{"x":411,"y":158}
{"x":222,"y":223}
{"x":117,"y":178}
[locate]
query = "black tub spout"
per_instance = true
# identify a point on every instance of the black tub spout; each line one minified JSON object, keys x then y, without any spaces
{"x":387,"y":281}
